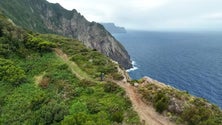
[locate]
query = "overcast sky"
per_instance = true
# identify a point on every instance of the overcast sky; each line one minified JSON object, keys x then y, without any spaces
{"x":151,"y":14}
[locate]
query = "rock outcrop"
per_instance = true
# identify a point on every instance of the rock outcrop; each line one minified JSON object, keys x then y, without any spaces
{"x":44,"y":17}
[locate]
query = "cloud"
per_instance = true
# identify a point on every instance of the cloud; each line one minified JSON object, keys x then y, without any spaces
{"x":150,"y":14}
{"x":213,"y":16}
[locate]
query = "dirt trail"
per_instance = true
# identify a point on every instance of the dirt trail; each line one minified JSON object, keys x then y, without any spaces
{"x":147,"y":113}
{"x":71,"y":64}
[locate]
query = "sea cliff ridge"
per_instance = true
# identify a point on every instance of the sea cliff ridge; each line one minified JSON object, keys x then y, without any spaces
{"x":44,"y":17}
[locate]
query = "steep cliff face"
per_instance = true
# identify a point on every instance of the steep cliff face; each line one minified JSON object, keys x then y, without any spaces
{"x":44,"y":17}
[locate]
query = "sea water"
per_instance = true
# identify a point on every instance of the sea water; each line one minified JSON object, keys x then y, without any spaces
{"x":189,"y":61}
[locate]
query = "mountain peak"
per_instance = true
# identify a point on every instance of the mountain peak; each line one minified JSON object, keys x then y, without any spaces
{"x":44,"y":17}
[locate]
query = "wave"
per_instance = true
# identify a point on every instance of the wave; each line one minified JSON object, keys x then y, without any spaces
{"x":134,"y":67}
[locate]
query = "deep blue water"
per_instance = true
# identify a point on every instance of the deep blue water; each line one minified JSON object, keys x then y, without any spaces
{"x":187,"y":61}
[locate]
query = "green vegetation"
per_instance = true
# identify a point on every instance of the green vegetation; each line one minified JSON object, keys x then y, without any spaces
{"x":90,"y":61}
{"x":11,"y":73}
{"x":37,"y":43}
{"x":29,"y":14}
{"x":161,"y":102}
{"x":110,"y":87}
{"x":180,"y":106}
{"x":21,"y":15}
{"x":39,"y":87}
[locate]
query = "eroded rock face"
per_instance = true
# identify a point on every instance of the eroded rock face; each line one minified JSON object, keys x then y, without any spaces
{"x":175,"y":106}
{"x":45,"y":17}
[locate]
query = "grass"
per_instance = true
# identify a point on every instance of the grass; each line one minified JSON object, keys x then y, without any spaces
{"x":75,"y":68}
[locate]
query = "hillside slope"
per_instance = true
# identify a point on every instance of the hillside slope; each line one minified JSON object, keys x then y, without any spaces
{"x":37,"y":87}
{"x":44,"y":17}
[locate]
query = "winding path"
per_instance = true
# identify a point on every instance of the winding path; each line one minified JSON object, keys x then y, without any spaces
{"x":147,"y":113}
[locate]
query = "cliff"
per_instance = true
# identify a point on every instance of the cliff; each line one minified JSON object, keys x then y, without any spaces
{"x":44,"y":17}
{"x":112,"y":28}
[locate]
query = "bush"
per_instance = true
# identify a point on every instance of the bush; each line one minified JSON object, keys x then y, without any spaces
{"x":52,"y":112}
{"x":11,"y":73}
{"x":117,"y":116}
{"x":4,"y":50}
{"x":161,"y":102}
{"x":76,"y":119}
{"x":93,"y":106}
{"x":39,"y":44}
{"x":117,"y":76}
{"x":63,"y":67}
{"x":45,"y":45}
{"x":78,"y":107}
{"x":4,"y":47}
{"x":86,"y":83}
{"x":110,"y":87}
{"x":1,"y":33}
{"x":196,"y":115}
{"x":160,"y":106}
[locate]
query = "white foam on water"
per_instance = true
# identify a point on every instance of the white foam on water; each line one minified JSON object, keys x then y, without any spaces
{"x":134,"y":67}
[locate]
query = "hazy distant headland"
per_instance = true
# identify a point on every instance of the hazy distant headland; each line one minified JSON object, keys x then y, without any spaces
{"x":112,"y":28}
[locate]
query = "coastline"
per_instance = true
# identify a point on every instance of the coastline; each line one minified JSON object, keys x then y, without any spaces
{"x":178,"y":59}
{"x":133,"y":68}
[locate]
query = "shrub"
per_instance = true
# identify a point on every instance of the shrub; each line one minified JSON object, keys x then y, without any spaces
{"x":117,"y":76}
{"x":63,"y":67}
{"x":39,"y":44}
{"x":117,"y":116}
{"x":86,"y":83}
{"x":78,"y":107}
{"x":1,"y":33}
{"x":11,"y":73}
{"x":195,"y":115}
{"x":45,"y":45}
{"x":110,"y":87}
{"x":37,"y":102}
{"x":160,"y":106}
{"x":52,"y":112}
{"x":93,"y":106}
{"x":76,"y":119}
{"x":4,"y":50}
{"x":161,"y":102}
{"x":89,"y":90}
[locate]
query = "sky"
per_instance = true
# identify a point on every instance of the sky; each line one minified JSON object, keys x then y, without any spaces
{"x":203,"y":15}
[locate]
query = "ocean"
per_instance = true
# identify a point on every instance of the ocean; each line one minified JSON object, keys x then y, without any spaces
{"x":187,"y":61}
